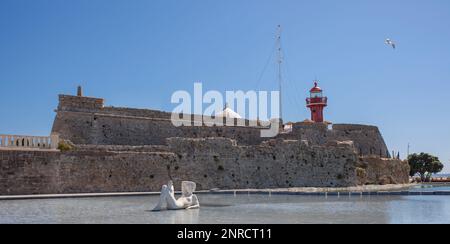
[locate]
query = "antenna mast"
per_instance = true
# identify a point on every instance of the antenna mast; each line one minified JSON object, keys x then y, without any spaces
{"x":280,"y":61}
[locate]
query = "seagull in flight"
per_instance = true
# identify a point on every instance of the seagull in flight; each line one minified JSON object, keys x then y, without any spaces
{"x":390,"y":43}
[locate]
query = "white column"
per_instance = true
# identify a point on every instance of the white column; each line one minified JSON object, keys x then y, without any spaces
{"x":12,"y":141}
{"x":48,"y":142}
{"x":55,"y":141}
{"x":45,"y":142}
{"x":19,"y":141}
{"x":42,"y":142}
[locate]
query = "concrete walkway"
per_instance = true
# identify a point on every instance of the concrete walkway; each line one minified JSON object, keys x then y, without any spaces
{"x":81,"y":195}
{"x":335,"y":193}
{"x":237,"y":192}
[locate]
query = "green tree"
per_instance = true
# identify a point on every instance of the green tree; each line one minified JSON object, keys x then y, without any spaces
{"x":425,"y":165}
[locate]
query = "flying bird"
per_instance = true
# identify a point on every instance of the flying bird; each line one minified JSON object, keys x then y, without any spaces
{"x":390,"y":43}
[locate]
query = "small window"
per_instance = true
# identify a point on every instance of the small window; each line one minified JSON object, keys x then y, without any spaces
{"x":316,"y":94}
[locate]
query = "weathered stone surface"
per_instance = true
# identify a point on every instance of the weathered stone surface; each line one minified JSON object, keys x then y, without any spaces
{"x":210,"y":162}
{"x":121,"y":149}
{"x":108,"y":129}
{"x":382,"y":171}
{"x":367,"y":139}
{"x":82,"y":172}
{"x":85,"y":120}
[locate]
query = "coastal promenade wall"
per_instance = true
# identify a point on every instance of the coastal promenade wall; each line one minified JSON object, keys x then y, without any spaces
{"x":210,"y":162}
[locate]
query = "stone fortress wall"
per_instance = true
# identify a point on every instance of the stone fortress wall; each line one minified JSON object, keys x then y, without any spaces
{"x":121,"y":149}
{"x":96,"y":124}
{"x":211,"y":163}
{"x":84,"y":120}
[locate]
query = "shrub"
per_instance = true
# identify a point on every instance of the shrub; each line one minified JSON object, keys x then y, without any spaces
{"x":360,"y":172}
{"x":64,"y":146}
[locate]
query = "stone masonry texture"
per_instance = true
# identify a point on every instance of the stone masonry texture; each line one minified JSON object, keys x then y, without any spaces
{"x":210,"y":162}
{"x":123,"y":149}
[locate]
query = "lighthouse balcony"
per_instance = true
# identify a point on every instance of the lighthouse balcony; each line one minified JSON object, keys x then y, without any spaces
{"x":316,"y":101}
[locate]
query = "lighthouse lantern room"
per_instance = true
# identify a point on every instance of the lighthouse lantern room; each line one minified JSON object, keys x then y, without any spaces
{"x":316,"y":103}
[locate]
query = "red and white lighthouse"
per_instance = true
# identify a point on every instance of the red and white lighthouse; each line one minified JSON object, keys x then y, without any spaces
{"x":316,"y":102}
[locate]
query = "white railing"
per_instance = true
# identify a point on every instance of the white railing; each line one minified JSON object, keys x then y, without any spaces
{"x":29,"y":142}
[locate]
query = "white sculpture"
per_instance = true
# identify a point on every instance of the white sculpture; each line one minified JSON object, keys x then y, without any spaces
{"x":188,"y":200}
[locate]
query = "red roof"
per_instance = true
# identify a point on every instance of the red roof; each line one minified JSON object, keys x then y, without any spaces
{"x":316,"y":88}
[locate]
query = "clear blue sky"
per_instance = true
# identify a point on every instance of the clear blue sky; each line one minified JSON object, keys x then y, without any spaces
{"x":136,"y":53}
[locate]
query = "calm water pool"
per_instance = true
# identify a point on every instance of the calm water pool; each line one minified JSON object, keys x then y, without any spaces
{"x":431,"y":187}
{"x":218,"y":209}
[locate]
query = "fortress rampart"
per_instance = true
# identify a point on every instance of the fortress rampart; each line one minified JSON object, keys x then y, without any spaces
{"x":96,"y":124}
{"x":367,"y":139}
{"x":210,"y":162}
{"x":84,"y":120}
{"x":122,"y":149}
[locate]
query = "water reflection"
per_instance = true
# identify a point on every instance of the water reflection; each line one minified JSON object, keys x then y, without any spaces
{"x":217,"y":209}
{"x":420,"y":210}
{"x":175,"y":217}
